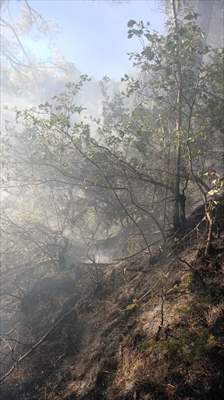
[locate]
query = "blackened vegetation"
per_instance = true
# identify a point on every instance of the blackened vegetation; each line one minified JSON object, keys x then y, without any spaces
{"x":197,"y":224}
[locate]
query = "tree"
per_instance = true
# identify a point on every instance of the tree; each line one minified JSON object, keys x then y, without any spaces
{"x":147,"y":154}
{"x":171,"y":69}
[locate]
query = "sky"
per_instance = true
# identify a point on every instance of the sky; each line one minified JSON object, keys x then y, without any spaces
{"x":93,"y":33}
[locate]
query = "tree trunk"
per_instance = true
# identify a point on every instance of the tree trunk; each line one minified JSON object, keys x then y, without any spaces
{"x":177,"y":219}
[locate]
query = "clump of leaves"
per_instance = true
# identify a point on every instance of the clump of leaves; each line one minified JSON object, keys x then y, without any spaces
{"x":132,"y":306}
{"x":187,"y":346}
{"x":191,"y":338}
{"x":183,"y":285}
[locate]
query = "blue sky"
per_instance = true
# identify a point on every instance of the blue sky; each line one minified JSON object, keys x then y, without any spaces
{"x":93,"y":33}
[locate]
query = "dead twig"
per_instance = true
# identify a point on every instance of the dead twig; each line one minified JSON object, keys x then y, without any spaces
{"x":57,"y":322}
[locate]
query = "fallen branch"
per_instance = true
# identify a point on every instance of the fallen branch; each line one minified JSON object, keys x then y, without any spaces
{"x":36,"y":345}
{"x":185,"y":237}
{"x":157,"y":337}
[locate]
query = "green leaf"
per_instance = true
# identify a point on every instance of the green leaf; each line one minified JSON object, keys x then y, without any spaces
{"x":148,"y":53}
{"x":131,"y":23}
{"x":131,"y":307}
{"x":189,"y":17}
{"x":213,"y":192}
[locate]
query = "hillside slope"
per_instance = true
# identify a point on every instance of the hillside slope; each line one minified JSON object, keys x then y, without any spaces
{"x":143,"y":332}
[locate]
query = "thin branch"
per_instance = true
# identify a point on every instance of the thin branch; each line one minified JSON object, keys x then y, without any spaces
{"x":36,"y":345}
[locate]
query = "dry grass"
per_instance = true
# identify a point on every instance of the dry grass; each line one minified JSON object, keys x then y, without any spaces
{"x":130,"y":363}
{"x":213,"y":313}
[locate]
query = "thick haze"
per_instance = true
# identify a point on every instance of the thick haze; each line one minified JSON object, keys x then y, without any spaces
{"x":70,"y":38}
{"x":93,"y":34}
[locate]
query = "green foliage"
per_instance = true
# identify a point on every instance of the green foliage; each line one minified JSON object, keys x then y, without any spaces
{"x":183,"y":286}
{"x":132,"y":306}
{"x":188,"y":347}
{"x":122,"y":168}
{"x":218,"y":186}
{"x":186,"y":282}
{"x":186,"y":343}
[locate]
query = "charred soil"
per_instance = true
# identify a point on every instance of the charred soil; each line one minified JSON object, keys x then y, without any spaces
{"x":153,"y":333}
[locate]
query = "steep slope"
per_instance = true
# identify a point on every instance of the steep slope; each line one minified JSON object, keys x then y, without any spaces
{"x":143,"y":332}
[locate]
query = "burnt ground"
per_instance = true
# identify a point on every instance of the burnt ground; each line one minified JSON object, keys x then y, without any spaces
{"x":155,"y":332}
